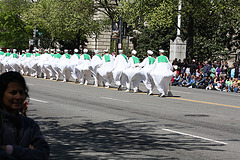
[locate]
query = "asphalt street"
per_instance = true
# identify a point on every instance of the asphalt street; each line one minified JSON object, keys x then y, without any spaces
{"x":87,"y":122}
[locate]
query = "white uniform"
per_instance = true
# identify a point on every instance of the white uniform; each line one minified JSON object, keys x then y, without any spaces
{"x":120,"y":63}
{"x":65,"y":67}
{"x":162,"y":74}
{"x":13,"y":62}
{"x":74,"y":61}
{"x":147,"y":67}
{"x":84,"y":73}
{"x":94,"y":65}
{"x":5,"y":65}
{"x":132,"y":74}
{"x":105,"y":70}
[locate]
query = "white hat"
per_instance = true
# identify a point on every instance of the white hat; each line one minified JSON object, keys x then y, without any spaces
{"x":106,"y":51}
{"x":149,"y":52}
{"x":14,"y":50}
{"x":27,"y":50}
{"x":37,"y":50}
{"x":85,"y":50}
{"x":0,"y":49}
{"x":34,"y":50}
{"x":46,"y":50}
{"x":58,"y":50}
{"x":96,"y":51}
{"x":134,"y":52}
{"x":161,"y":51}
{"x":65,"y":50}
{"x":120,"y":51}
{"x":23,"y":51}
{"x":8,"y":50}
{"x":75,"y":50}
{"x":52,"y":50}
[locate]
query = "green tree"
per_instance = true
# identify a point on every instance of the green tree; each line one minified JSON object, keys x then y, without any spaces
{"x":208,"y":26}
{"x":14,"y":33}
{"x":68,"y":22}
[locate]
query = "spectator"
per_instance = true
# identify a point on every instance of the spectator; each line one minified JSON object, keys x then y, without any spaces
{"x":186,"y":79}
{"x":21,"y":137}
{"x":206,"y":69}
{"x":218,"y":70}
{"x":191,"y":83}
{"x":228,"y":83}
{"x":235,"y":86}
{"x":176,"y":79}
{"x":213,"y":71}
{"x":233,"y":71}
{"x":193,"y":67}
{"x":224,"y":68}
{"x":202,"y":82}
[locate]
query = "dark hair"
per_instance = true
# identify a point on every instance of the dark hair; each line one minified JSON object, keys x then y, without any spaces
{"x":8,"y":77}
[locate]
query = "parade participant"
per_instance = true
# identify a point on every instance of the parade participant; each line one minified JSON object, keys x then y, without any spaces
{"x":55,"y":65}
{"x":20,"y":60}
{"x":13,"y":61}
{"x":106,"y":68}
{"x":83,"y":71}
{"x":45,"y":63}
{"x":147,"y":65}
{"x":94,"y":65}
{"x":1,"y":58}
{"x":4,"y":61}
{"x":35,"y":67}
{"x":120,"y":63}
{"x":26,"y":62}
{"x":64,"y":65}
{"x":51,"y":65}
{"x":162,"y":74}
{"x":132,"y":73}
{"x":75,"y":58}
{"x":20,"y":136}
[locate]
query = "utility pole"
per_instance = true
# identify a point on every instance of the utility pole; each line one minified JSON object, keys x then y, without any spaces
{"x":178,"y":47}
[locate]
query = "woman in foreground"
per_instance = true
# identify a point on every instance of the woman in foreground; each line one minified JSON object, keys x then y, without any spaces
{"x":20,"y":136}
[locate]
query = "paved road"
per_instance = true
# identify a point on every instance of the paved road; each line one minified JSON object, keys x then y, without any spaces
{"x":85,"y":122}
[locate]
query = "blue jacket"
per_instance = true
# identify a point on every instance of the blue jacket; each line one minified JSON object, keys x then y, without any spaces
{"x":20,"y":132}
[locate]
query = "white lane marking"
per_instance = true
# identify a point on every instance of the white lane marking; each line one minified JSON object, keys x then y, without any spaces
{"x":32,"y":99}
{"x":185,"y":134}
{"x":29,"y":84}
{"x":114,"y":99}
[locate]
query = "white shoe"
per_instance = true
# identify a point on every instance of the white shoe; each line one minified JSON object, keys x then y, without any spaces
{"x":51,"y":78}
{"x":127,"y":90}
{"x":161,"y":95}
{"x":85,"y":83}
{"x":150,"y":93}
{"x":64,"y":80}
{"x":81,"y":83}
{"x":107,"y":87}
{"x":135,"y":90}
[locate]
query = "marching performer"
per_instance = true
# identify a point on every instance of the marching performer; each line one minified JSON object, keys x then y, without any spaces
{"x":84,"y":73}
{"x":132,"y":73}
{"x":120,"y":63}
{"x":147,"y":65}
{"x":75,"y":59}
{"x":162,"y":74}
{"x":106,"y":68}
{"x":94,"y":65}
{"x":13,"y":61}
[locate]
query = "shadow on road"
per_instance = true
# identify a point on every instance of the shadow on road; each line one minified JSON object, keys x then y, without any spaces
{"x":114,"y":140}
